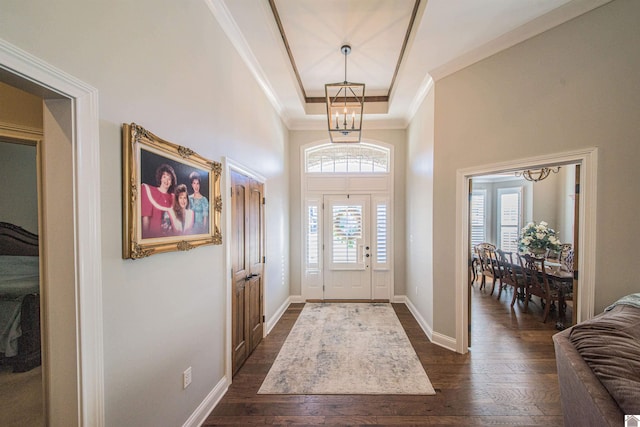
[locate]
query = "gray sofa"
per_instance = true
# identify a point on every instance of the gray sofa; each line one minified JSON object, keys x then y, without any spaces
{"x":598,"y":365}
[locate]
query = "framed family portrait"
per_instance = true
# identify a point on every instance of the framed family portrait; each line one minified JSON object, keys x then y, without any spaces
{"x":171,"y":196}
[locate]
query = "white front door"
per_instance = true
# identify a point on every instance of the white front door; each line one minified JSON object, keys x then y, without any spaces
{"x":347,"y":247}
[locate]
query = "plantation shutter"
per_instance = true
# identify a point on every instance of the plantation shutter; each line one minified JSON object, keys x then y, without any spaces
{"x":347,"y":229}
{"x":381,"y":233}
{"x":478,"y":209}
{"x":509,"y":219}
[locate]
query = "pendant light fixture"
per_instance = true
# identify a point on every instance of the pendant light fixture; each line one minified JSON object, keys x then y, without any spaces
{"x":345,"y":104}
{"x":535,"y":175}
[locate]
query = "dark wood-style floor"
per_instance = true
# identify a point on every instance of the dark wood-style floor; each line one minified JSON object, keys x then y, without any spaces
{"x":508,"y":378}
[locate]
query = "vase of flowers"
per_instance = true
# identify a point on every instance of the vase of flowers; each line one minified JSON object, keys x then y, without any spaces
{"x":538,"y":238}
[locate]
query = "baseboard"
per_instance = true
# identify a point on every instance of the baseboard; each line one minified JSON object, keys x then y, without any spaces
{"x":273,"y":320}
{"x":435,"y":337}
{"x":296,"y":299}
{"x":444,"y":341}
{"x":423,"y":323}
{"x":399,"y":299}
{"x":204,"y":409}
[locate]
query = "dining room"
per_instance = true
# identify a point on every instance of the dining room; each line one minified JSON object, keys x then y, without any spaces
{"x":522,"y":230}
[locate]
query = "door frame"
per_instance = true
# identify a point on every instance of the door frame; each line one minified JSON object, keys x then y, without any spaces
{"x":228,"y":165}
{"x":588,"y":159}
{"x":57,"y":86}
{"x":314,"y":186}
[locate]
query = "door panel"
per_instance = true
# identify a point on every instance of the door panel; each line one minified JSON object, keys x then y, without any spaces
{"x":247,"y":254}
{"x":240,"y":271}
{"x":256,"y":263}
{"x":347,"y":249}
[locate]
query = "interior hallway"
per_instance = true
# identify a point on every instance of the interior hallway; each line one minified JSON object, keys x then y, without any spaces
{"x":509,"y":377}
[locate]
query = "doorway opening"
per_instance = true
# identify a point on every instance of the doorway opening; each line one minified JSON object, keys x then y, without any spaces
{"x":585,"y":245}
{"x":70,"y":239}
{"x":500,"y":206}
{"x":21,"y":373}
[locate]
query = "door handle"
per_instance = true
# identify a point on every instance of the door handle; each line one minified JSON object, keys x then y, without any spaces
{"x":251,"y":276}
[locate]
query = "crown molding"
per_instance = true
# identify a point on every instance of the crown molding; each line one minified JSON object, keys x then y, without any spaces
{"x":229,"y":26}
{"x":526,"y":31}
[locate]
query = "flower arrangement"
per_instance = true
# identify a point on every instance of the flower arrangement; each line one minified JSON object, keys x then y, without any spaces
{"x":539,"y":238}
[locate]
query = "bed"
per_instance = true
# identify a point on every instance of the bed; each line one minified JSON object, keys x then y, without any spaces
{"x":19,"y":298}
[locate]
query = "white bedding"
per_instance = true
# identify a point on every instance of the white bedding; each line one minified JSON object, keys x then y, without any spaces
{"x":19,"y":276}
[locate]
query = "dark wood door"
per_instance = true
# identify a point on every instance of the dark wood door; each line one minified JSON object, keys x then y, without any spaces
{"x":247,"y":253}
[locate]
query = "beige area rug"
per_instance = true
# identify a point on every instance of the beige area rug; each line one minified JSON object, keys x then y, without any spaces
{"x":347,"y":348}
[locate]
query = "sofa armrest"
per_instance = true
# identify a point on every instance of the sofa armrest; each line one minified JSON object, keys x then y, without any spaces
{"x":585,"y":401}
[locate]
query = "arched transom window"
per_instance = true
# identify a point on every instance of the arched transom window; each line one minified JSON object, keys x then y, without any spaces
{"x":347,"y":158}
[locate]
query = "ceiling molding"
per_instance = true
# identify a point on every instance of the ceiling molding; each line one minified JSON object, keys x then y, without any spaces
{"x":257,"y":34}
{"x":405,"y":42}
{"x":524,"y":32}
{"x":230,"y":28}
{"x":423,"y":91}
{"x":380,"y":98}
{"x":276,"y":17}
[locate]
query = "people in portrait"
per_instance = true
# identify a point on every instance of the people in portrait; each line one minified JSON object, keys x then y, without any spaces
{"x":156,"y":202}
{"x":199,"y":204}
{"x":182,"y":218}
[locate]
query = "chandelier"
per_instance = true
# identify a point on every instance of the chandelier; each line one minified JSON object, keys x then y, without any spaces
{"x":535,"y":175}
{"x":345,"y":103}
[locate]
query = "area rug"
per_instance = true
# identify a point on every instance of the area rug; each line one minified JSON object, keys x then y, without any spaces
{"x":347,"y":348}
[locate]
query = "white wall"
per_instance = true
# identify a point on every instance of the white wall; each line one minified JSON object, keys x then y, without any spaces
{"x":545,"y":200}
{"x":19,"y":179}
{"x":300,"y":138}
{"x":570,"y":88}
{"x":566,"y":203}
{"x":167,"y":66}
{"x":418,"y":179}
{"x":19,"y":110}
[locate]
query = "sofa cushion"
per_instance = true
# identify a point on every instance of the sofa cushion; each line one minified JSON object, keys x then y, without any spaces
{"x":610,"y":345}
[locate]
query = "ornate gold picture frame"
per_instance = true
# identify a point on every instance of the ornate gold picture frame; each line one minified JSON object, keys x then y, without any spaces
{"x":171,"y":196}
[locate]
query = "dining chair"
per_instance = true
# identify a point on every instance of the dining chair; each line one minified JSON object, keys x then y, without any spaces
{"x":536,"y":283}
{"x":566,"y":260}
{"x":511,"y":276}
{"x":566,"y":288}
{"x":486,"y":256}
{"x":473,"y":266}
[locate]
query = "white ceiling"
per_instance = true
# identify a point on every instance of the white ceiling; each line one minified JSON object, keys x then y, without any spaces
{"x":446,"y":36}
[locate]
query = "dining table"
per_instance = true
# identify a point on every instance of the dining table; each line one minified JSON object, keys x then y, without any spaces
{"x":560,"y":279}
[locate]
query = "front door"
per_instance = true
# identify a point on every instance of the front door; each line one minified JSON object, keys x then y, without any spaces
{"x":247,"y":253}
{"x":347,"y":247}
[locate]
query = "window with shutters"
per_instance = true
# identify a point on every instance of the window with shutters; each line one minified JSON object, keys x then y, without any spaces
{"x":478,"y":216}
{"x":347,"y":229}
{"x":381,"y":233}
{"x":509,"y":217}
{"x":312,"y":236}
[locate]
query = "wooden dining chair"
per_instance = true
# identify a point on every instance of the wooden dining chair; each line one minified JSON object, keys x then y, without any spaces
{"x":566,"y":260}
{"x":486,"y":256}
{"x":536,"y":283}
{"x":511,"y":274}
{"x":566,"y":288}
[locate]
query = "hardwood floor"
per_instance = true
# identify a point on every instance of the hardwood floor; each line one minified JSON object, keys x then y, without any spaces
{"x":508,"y":378}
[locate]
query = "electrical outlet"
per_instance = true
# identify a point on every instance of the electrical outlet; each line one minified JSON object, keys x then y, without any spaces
{"x":186,"y":378}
